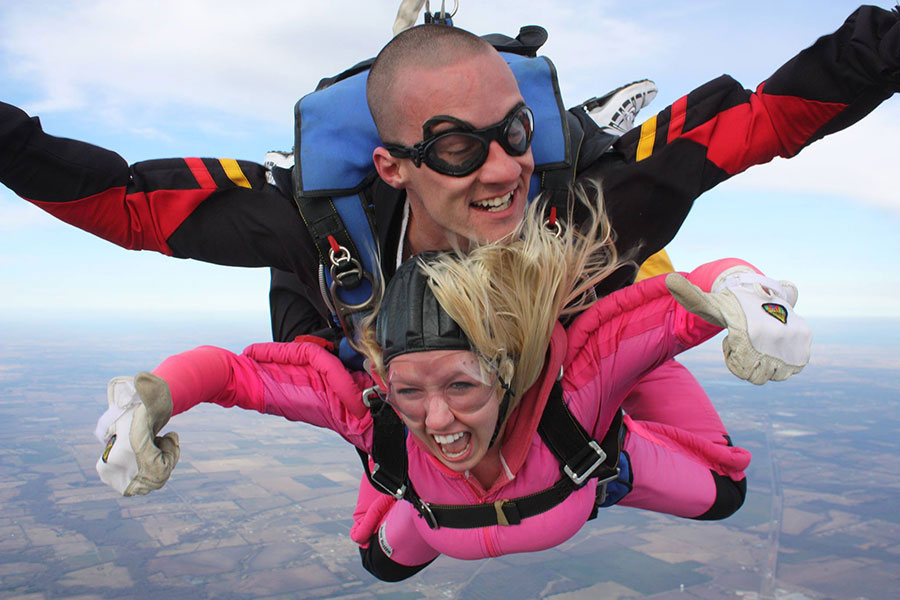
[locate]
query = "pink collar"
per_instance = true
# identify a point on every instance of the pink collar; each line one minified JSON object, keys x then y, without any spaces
{"x":523,"y":422}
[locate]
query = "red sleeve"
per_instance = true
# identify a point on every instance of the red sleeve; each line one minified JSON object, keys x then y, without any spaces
{"x":827,"y":87}
{"x":143,"y":206}
{"x":720,"y":129}
{"x":216,"y":210}
{"x":136,"y":216}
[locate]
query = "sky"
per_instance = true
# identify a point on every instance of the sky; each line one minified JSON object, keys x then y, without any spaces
{"x":220,"y":78}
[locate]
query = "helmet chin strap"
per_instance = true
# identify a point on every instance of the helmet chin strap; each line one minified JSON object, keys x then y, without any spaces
{"x":504,"y":405}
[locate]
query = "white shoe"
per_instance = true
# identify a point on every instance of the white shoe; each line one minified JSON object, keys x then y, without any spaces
{"x":275,"y":158}
{"x":615,"y":112}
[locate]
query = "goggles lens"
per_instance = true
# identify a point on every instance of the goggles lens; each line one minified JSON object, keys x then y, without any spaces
{"x":462,"y":149}
{"x":462,"y":388}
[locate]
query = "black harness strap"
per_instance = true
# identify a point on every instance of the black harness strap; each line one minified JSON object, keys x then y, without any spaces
{"x":581,"y":459}
{"x":323,"y":222}
{"x":556,"y":184}
{"x":389,"y":472}
{"x":581,"y":456}
{"x":390,"y":463}
{"x":501,"y":512}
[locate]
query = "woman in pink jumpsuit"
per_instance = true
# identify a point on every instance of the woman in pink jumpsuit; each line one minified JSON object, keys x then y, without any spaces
{"x":469,"y":363}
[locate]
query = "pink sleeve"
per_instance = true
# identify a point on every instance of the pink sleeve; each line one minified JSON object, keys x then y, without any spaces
{"x":209,"y":374}
{"x":705,"y":275}
{"x":690,"y":329}
{"x":631,"y":332}
{"x":298,"y":381}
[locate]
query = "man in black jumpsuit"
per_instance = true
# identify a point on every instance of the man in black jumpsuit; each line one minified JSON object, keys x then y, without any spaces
{"x":223,"y":211}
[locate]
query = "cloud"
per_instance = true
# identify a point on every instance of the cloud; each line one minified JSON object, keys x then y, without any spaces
{"x":126,"y":57}
{"x":130,"y":65}
{"x":230,"y":56}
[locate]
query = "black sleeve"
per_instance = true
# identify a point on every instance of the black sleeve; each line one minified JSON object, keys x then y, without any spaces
{"x":296,"y":309}
{"x":221,"y":211}
{"x":656,"y":171}
{"x":36,"y":165}
{"x":379,"y":564}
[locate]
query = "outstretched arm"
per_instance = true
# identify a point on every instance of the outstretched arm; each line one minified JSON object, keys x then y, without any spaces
{"x":216,"y":210}
{"x":299,"y":381}
{"x":721,"y":129}
{"x":632,"y":331}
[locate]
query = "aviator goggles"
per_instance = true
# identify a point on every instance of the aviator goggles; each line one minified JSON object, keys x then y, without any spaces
{"x":462,"y":149}
{"x":463,"y":388}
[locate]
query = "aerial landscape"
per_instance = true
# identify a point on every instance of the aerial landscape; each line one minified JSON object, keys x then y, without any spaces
{"x":261,"y":508}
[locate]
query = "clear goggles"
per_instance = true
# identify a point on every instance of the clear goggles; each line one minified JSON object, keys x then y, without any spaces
{"x":462,"y":386}
{"x":462,"y":149}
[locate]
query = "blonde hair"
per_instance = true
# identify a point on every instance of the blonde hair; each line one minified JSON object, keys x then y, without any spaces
{"x":507,"y":295}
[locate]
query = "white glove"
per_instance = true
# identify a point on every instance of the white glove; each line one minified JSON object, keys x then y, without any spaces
{"x":135,"y":461}
{"x":766,"y":339}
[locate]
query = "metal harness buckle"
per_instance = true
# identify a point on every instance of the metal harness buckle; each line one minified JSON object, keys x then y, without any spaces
{"x":601,"y":487}
{"x":392,"y":488}
{"x":371,"y":393}
{"x":350,"y":279}
{"x":425,"y":512}
{"x":579,"y":478}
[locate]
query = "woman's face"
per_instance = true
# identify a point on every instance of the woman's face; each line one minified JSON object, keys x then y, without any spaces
{"x":443,"y":399}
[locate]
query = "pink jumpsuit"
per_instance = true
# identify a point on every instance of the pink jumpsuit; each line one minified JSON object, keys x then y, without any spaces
{"x":603,"y":353}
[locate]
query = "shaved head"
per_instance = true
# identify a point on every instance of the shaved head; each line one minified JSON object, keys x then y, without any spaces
{"x":439,"y":71}
{"x":421,"y":47}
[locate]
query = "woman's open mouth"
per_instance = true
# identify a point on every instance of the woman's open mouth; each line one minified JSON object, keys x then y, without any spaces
{"x":455,"y":445}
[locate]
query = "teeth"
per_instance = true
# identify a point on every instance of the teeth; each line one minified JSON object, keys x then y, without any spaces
{"x":457,"y":454}
{"x":448,"y":439}
{"x":495,"y":204}
{"x":445,"y":440}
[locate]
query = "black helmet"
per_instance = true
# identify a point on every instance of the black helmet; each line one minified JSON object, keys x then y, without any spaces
{"x":411,"y":319}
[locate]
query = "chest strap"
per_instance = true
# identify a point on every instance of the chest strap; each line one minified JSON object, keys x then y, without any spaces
{"x":580,"y":456}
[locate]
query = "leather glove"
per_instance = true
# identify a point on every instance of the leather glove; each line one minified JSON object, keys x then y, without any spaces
{"x":135,"y":461}
{"x":766,"y":339}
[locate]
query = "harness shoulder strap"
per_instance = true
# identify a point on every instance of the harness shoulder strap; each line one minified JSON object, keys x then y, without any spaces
{"x":388,"y":472}
{"x":334,"y":139}
{"x":580,"y":457}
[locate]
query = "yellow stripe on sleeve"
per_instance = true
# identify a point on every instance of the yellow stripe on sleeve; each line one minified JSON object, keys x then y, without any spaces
{"x":233,"y":170}
{"x":648,"y":137}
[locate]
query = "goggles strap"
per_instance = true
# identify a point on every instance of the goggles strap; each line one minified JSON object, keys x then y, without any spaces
{"x":501,"y":415}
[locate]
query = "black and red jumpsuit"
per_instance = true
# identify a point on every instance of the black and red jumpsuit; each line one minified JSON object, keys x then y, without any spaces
{"x":223,"y":211}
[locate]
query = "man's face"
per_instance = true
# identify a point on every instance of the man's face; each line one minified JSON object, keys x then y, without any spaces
{"x":486,"y":204}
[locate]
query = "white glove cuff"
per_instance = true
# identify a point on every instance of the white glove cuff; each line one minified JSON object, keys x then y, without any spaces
{"x":118,"y":466}
{"x":122,"y":396}
{"x":737,"y":277}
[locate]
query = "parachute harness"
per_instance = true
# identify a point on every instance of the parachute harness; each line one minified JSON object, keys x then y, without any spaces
{"x":440,"y":18}
{"x":581,"y":458}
